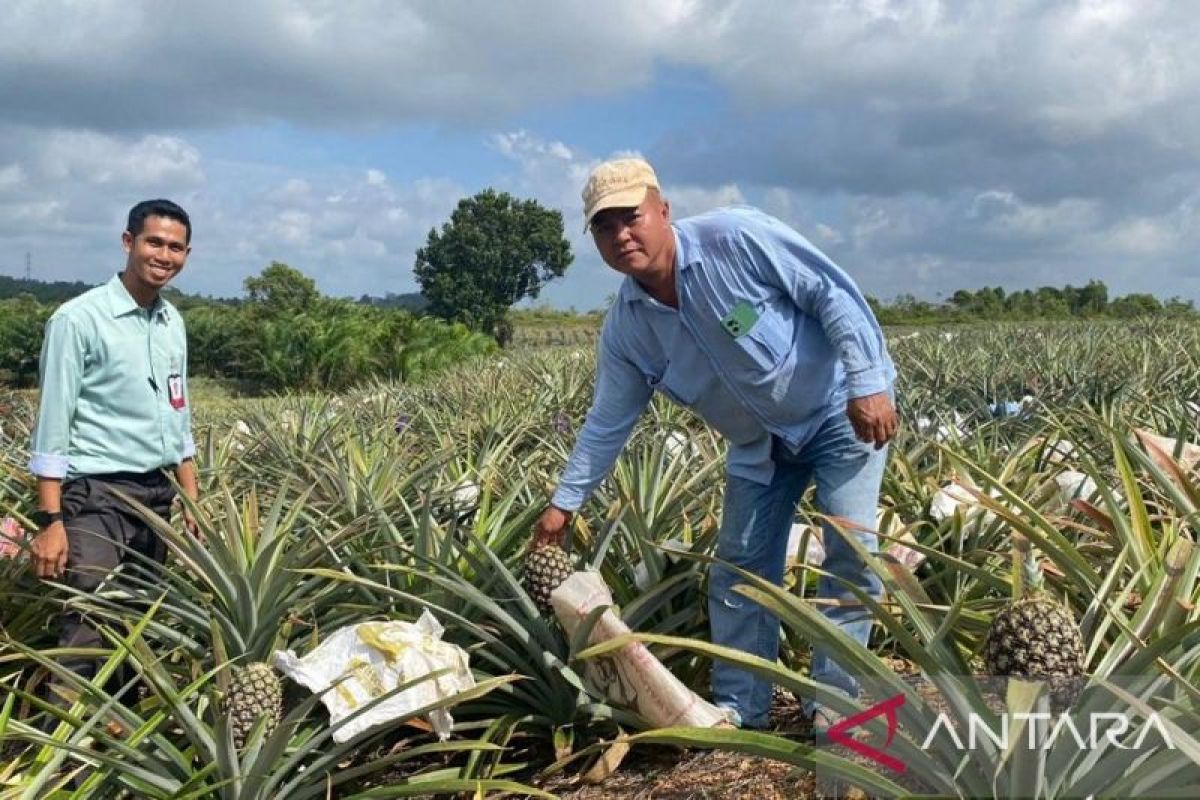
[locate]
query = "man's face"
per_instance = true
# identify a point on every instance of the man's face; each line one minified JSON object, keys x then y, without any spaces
{"x":157,"y":253}
{"x":635,"y":241}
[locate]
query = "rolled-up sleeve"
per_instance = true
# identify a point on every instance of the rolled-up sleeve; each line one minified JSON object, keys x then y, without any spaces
{"x":189,"y":445}
{"x":61,"y":369}
{"x":621,"y":396}
{"x":821,"y":289}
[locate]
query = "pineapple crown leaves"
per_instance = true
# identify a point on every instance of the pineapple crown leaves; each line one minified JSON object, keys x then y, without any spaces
{"x":1027,"y":577}
{"x":243,"y":577}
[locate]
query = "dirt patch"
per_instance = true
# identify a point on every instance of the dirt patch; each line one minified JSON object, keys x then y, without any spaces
{"x":671,"y":773}
{"x":676,"y":775}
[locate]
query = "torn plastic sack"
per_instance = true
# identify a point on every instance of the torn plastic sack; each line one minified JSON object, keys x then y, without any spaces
{"x":632,"y":676}
{"x":375,"y":658}
{"x":887,"y":523}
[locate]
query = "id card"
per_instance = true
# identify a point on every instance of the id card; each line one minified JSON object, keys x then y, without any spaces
{"x":740,"y":320}
{"x":175,"y":391}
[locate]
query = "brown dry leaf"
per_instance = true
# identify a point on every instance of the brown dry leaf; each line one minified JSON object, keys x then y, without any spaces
{"x":1160,"y":450}
{"x":1094,"y":514}
{"x":608,"y":763}
{"x":1050,"y":568}
{"x":419,"y":724}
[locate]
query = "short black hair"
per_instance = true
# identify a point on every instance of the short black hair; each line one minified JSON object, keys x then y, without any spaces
{"x":157,"y":208}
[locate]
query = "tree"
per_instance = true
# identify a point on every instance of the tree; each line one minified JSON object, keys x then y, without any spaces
{"x":281,"y":289}
{"x":1087,"y":301}
{"x":494,"y":251}
{"x":963,"y":299}
{"x":22,"y":321}
{"x":1134,"y":305}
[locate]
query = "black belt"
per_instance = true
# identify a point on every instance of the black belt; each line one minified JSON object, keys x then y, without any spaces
{"x":155,"y":477}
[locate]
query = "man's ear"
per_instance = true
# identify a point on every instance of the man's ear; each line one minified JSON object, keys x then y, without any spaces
{"x":127,"y":241}
{"x":666,"y":206}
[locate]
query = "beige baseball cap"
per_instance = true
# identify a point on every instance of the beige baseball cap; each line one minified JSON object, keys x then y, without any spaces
{"x":621,"y":183}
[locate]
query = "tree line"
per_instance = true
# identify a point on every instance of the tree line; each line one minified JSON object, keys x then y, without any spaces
{"x":1044,"y":303}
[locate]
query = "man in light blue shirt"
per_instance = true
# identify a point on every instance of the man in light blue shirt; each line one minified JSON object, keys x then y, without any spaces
{"x":738,"y":317}
{"x":114,"y":413}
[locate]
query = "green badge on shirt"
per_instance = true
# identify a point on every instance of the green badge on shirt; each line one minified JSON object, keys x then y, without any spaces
{"x":740,"y":320}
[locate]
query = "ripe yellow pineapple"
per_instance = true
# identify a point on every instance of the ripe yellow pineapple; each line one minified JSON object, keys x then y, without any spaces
{"x":254,"y":692}
{"x":545,"y":568}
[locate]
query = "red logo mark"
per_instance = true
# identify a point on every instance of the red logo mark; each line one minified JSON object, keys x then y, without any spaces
{"x":837,"y":732}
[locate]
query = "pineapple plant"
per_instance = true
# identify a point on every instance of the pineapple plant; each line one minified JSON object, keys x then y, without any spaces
{"x":546,"y":567}
{"x":1034,"y":637}
{"x":237,"y":594}
{"x":254,"y":693}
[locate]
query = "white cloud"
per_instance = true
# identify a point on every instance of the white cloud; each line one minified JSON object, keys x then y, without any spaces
{"x":1143,"y":237}
{"x":549,"y":170}
{"x":64,"y":196}
{"x":355,"y":232}
{"x":1003,"y":213}
{"x":98,"y":159}
{"x":11,"y":177}
{"x":293,"y":191}
{"x":829,"y":235}
{"x":315,"y":62}
{"x":72,"y":183}
{"x":689,"y":200}
{"x":524,"y":146}
{"x":1068,"y":69}
{"x":291,"y":228}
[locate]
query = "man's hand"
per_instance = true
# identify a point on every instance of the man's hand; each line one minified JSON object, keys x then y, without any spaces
{"x":185,"y":473}
{"x":189,"y":522}
{"x":551,"y":527}
{"x":48,"y":551}
{"x":873,"y":418}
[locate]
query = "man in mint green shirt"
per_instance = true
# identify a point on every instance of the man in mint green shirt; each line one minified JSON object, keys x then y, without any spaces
{"x":114,"y":414}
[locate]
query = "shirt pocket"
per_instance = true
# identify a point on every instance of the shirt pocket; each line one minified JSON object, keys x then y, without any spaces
{"x":766,"y":344}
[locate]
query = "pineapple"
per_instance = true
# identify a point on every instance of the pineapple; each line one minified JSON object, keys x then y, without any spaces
{"x":255,"y":692}
{"x":1034,"y":637}
{"x":545,"y":568}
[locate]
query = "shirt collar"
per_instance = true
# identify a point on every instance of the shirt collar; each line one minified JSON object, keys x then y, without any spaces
{"x":121,"y":302}
{"x":632,"y":291}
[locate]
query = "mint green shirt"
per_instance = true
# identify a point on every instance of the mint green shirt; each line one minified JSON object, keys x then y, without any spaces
{"x":114,"y":388}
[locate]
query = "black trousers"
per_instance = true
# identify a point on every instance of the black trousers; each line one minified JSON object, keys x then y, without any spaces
{"x":102,"y":533}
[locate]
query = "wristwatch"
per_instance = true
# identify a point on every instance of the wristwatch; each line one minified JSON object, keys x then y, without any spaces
{"x":44,"y":519}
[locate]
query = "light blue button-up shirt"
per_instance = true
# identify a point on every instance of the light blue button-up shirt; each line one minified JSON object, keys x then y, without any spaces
{"x":113,"y":387}
{"x":813,"y":344}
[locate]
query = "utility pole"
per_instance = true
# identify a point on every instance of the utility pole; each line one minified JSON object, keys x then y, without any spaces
{"x":28,"y":266}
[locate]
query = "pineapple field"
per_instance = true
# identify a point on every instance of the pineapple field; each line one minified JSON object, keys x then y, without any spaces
{"x":1038,"y":521}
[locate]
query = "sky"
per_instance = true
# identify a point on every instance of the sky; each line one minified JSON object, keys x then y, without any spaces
{"x":925,"y":146}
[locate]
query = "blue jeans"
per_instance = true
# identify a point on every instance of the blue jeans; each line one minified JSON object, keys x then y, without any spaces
{"x":755,"y":523}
